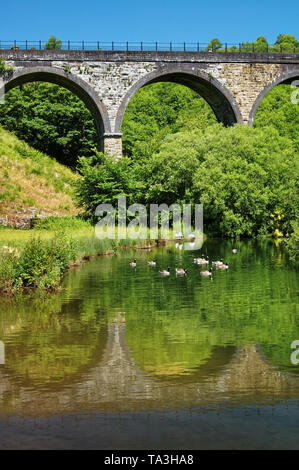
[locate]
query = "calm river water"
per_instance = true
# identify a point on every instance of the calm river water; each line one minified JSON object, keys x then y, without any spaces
{"x":125,"y":358}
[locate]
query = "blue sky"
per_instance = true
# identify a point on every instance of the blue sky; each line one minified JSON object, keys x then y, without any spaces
{"x":155,"y":20}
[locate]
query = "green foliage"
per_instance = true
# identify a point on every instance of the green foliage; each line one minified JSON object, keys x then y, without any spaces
{"x":214,"y":45}
{"x":39,"y":264}
{"x":4,"y":69}
{"x":278,"y":111}
{"x":158,"y":110}
{"x":246,"y":179}
{"x":52,"y":119}
{"x":54,"y":223}
{"x":284,"y":43}
{"x":53,"y":43}
{"x":287,"y":42}
{"x":292,"y":244}
{"x":246,"y":176}
{"x":104,"y":180}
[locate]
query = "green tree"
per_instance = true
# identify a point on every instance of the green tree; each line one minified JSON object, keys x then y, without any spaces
{"x":51,"y":119}
{"x":287,"y":43}
{"x":214,"y":45}
{"x":53,"y":43}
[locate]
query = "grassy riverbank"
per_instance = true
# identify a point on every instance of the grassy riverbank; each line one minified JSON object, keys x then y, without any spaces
{"x":39,"y":257}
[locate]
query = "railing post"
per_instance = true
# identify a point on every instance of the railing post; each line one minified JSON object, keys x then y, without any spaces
{"x":141,"y":46}
{"x":40,"y":45}
{"x":240,"y":47}
{"x":253,"y":47}
{"x":26,"y":45}
{"x":156,"y":46}
{"x":184,"y":47}
{"x":69,"y":45}
{"x":226,"y":47}
{"x":170,"y":46}
{"x":198,"y":47}
{"x":112,"y":44}
{"x":127,"y":45}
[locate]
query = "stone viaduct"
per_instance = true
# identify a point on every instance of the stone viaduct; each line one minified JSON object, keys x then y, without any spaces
{"x":233,"y":84}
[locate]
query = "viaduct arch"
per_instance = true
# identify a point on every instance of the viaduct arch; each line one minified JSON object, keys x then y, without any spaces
{"x":286,"y":79}
{"x":233,"y":84}
{"x":73,"y":83}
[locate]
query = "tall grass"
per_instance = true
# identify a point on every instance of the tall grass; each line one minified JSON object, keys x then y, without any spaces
{"x":40,"y":260}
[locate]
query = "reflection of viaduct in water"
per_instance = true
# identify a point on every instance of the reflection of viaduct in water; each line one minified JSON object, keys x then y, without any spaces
{"x":117,"y":383}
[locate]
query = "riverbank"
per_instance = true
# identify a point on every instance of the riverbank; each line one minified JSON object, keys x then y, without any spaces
{"x":38,"y":259}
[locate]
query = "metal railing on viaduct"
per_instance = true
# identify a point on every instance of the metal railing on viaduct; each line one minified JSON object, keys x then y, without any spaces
{"x":147,"y":46}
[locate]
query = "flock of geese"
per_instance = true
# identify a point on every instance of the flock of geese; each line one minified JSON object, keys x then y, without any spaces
{"x":202,"y":261}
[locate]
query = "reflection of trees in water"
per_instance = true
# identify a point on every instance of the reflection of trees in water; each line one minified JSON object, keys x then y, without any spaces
{"x":50,"y":342}
{"x":178,"y":330}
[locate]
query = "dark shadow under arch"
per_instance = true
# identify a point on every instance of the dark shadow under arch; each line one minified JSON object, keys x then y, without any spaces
{"x":74,"y":84}
{"x":217,"y":96}
{"x":285,"y":79}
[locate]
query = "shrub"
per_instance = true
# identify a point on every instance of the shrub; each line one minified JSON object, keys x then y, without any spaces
{"x":292,"y":245}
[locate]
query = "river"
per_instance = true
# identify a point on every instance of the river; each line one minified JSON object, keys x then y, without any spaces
{"x":124,"y":358}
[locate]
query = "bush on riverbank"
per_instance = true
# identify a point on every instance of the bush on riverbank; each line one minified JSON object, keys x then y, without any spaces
{"x":40,"y":264}
{"x":245,"y":178}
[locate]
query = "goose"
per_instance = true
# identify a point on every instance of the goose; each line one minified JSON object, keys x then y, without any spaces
{"x":180,"y":271}
{"x":198,"y":260}
{"x":152,"y":262}
{"x":206,"y":273}
{"x":222,"y":266}
{"x":218,"y":263}
{"x":165,"y":272}
{"x":178,"y":235}
{"x":133,"y":263}
{"x":203,"y":260}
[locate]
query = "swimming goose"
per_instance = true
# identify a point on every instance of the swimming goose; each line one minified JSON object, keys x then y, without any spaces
{"x":203,"y":260}
{"x":199,"y":260}
{"x":180,"y":271}
{"x":152,"y":263}
{"x":206,"y":273}
{"x":218,"y":263}
{"x":133,"y":263}
{"x":165,"y":272}
{"x":222,"y":266}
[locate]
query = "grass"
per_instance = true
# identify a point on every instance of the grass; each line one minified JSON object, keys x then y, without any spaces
{"x":29,"y":179}
{"x":39,"y":257}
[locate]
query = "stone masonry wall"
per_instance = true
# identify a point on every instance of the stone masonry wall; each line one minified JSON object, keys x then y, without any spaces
{"x":113,"y":76}
{"x":113,"y":80}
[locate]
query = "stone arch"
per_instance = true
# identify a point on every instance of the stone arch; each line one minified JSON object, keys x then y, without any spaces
{"x":217,"y":96}
{"x":286,"y":78}
{"x":73,"y":83}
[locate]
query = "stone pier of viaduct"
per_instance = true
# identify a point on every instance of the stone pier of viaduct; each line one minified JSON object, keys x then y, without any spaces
{"x":233,"y":84}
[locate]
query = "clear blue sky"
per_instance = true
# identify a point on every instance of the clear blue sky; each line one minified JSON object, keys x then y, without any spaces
{"x":155,"y":20}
